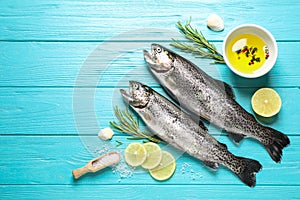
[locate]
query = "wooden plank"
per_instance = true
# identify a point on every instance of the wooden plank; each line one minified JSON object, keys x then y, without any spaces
{"x":130,"y":192}
{"x":43,"y":64}
{"x":65,"y":111}
{"x":98,"y":20}
{"x":47,"y":160}
{"x":74,"y":64}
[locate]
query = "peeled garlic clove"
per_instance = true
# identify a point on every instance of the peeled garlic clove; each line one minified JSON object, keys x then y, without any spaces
{"x":106,"y":134}
{"x":215,"y":22}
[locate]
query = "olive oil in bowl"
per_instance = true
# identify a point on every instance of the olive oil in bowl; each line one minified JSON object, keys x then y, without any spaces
{"x":250,"y":50}
{"x":247,"y":53}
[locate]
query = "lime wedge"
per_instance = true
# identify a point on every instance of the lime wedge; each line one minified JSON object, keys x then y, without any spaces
{"x":165,"y":169}
{"x":266,"y":102}
{"x":154,"y":155}
{"x":135,"y":154}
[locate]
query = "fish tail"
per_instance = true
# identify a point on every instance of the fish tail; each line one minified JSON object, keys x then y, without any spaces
{"x":276,"y":143}
{"x":247,"y":169}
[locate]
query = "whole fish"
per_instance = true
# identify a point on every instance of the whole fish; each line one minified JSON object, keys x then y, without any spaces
{"x":177,"y":128}
{"x":211,"y":99}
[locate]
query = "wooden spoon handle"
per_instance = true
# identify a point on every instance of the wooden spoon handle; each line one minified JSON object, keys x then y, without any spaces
{"x":80,"y":171}
{"x":97,"y":164}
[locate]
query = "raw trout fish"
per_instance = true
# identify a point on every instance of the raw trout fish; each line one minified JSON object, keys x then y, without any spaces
{"x":210,"y":99}
{"x":177,"y":128}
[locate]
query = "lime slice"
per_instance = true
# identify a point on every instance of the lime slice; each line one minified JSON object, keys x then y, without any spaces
{"x":154,"y":155}
{"x":165,"y":169}
{"x":135,"y":154}
{"x":266,"y":102}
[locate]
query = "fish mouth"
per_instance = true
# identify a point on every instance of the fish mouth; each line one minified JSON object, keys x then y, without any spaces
{"x":153,"y":65}
{"x":128,"y":95}
{"x":149,"y":57}
{"x":135,"y":96}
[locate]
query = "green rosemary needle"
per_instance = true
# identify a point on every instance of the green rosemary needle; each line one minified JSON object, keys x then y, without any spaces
{"x":127,"y":124}
{"x":119,"y":143}
{"x":201,"y":46}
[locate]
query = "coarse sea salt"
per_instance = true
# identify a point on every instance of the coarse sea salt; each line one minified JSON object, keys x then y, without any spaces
{"x":106,"y":160}
{"x":188,"y":171}
{"x":123,"y":170}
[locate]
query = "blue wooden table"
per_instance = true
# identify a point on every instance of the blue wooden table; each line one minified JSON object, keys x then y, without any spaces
{"x":62,"y":64}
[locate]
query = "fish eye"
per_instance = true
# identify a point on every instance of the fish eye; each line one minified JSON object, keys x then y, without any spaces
{"x":158,"y":50}
{"x":135,"y":86}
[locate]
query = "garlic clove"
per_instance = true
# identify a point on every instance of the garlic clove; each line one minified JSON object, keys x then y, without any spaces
{"x":215,"y":22}
{"x":106,"y":134}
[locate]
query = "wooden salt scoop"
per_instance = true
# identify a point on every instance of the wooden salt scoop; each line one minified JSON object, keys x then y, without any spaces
{"x":97,"y":164}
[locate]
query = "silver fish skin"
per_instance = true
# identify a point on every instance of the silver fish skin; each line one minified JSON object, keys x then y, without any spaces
{"x":177,"y":128}
{"x":210,"y":99}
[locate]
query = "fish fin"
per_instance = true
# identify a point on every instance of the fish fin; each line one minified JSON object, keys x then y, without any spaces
{"x":224,"y":145}
{"x":279,"y":141}
{"x":202,"y":125}
{"x":248,"y":169}
{"x":171,"y":94}
{"x":236,"y":137}
{"x":210,"y":164}
{"x":228,"y":89}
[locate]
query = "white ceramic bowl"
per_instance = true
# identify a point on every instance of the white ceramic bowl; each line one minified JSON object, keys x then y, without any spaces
{"x":265,"y":35}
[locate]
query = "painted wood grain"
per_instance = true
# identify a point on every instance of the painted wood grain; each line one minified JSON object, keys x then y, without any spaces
{"x":65,"y":111}
{"x":129,"y":192}
{"x":47,"y":160}
{"x":62,"y":63}
{"x":98,"y":20}
{"x":73,"y":64}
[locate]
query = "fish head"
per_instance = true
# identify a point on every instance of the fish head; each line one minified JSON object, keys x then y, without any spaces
{"x":138,"y":95}
{"x":160,"y":59}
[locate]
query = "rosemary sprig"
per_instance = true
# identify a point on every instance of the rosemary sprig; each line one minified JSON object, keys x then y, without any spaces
{"x":201,"y":46}
{"x":127,"y":124}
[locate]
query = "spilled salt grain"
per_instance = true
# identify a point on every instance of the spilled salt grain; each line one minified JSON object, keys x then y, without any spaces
{"x":184,"y":166}
{"x":188,"y":171}
{"x":123,"y":170}
{"x":103,"y":149}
